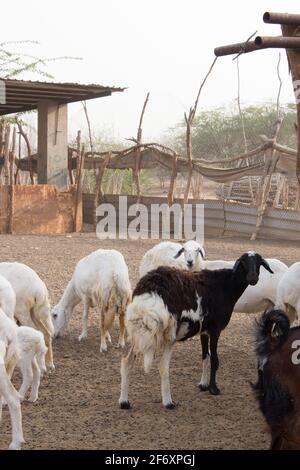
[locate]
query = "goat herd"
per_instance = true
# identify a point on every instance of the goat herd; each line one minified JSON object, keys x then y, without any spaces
{"x":179,"y":294}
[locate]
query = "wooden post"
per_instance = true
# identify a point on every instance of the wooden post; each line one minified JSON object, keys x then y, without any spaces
{"x":6,"y":155}
{"x":136,"y":173}
{"x":173,"y":180}
{"x":294,"y":65}
{"x":17,"y":175}
{"x":24,"y":135}
{"x":98,"y":189}
{"x":78,"y":141}
{"x":78,"y":196}
{"x":70,"y":161}
{"x":267,"y":183}
{"x":11,"y":184}
{"x":188,"y":121}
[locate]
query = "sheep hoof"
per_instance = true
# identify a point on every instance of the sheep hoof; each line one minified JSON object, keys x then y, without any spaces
{"x":125,"y":405}
{"x":82,"y":336}
{"x":203,"y":388}
{"x":15,"y":445}
{"x":50,"y":367}
{"x":103,"y":349}
{"x":170,"y":406}
{"x":33,"y":399}
{"x":214,"y":390}
{"x":121,"y":345}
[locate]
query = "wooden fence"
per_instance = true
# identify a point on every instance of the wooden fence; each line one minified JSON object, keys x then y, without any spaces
{"x":220,"y":218}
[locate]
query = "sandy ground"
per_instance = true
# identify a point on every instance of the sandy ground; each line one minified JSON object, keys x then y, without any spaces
{"x":78,"y":404}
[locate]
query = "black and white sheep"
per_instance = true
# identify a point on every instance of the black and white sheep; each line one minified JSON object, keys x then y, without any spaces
{"x":172,"y":305}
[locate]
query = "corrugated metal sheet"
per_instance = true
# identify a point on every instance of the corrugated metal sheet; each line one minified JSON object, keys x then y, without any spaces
{"x":23,"y":95}
{"x":223,"y":219}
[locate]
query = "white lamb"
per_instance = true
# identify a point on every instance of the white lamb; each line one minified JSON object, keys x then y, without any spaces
{"x":99,"y":280}
{"x":288,"y":292}
{"x":9,"y":349}
{"x":190,"y":255}
{"x":31,"y":360}
{"x":261,"y":296}
{"x":32,"y":302}
{"x":31,"y":346}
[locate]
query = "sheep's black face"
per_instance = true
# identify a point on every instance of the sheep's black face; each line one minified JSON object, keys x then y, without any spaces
{"x":251,"y":262}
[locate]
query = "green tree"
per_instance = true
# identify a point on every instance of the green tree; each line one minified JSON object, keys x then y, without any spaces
{"x":217,"y":133}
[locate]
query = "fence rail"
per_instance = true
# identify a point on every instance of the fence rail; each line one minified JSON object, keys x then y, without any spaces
{"x":220,"y":218}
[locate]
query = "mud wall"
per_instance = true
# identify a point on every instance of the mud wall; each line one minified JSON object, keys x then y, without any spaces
{"x":39,"y":209}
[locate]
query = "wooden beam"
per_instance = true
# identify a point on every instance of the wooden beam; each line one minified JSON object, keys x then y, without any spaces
{"x":241,"y":47}
{"x":281,"y":18}
{"x":266,"y":42}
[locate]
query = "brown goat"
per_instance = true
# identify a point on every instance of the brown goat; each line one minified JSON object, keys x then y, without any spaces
{"x":278,"y":387}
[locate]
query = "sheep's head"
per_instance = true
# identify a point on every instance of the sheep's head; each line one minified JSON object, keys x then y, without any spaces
{"x":194,"y":255}
{"x":58,"y":316}
{"x":250,"y":263}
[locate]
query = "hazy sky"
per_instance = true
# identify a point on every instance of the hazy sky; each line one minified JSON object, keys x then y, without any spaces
{"x":161,"y":46}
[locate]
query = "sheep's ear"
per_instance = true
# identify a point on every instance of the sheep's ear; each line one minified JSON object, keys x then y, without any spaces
{"x":202,"y":254}
{"x":266,"y":265}
{"x":236,"y":265}
{"x":276,"y":330}
{"x":179,"y":253}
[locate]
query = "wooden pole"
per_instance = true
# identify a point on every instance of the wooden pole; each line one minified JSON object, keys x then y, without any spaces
{"x":138,"y":151}
{"x":11,"y":194}
{"x":70,"y":161}
{"x":78,"y":142}
{"x":17,"y":176}
{"x":266,"y":184}
{"x":6,"y":155}
{"x":78,"y":196}
{"x":189,"y":121}
{"x":173,"y":180}
{"x":98,"y":189}
{"x":24,"y":135}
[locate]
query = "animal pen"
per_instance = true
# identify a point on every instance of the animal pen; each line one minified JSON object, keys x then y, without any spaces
{"x":255,"y":193}
{"x":38,"y":194}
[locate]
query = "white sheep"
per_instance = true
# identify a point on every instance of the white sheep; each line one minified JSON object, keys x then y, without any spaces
{"x":32,"y":301}
{"x":288,"y":292}
{"x":31,"y":360}
{"x":261,"y":296}
{"x":7,"y":297}
{"x":99,"y":280}
{"x":31,"y":347}
{"x":190,"y":255}
{"x":8,"y":349}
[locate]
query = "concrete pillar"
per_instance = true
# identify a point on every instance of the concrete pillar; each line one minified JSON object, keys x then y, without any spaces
{"x":53,"y":144}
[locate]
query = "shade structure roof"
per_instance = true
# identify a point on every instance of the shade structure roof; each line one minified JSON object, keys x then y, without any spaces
{"x":19,"y":95}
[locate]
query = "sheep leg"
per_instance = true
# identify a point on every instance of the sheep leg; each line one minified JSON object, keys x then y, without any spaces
{"x":164,"y":368}
{"x":121,"y":342}
{"x":25,"y":365}
{"x":107,"y":316}
{"x":108,"y":337}
{"x":35,"y":381}
{"x":85,"y":317}
{"x":103,"y":345}
{"x":214,"y":338}
{"x":126,"y":365}
{"x":12,"y":398}
{"x":10,"y":367}
{"x":49,"y":354}
{"x":204,"y":382}
{"x":48,"y":341}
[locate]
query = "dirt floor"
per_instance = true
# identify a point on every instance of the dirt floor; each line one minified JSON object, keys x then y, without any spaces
{"x":78,"y":404}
